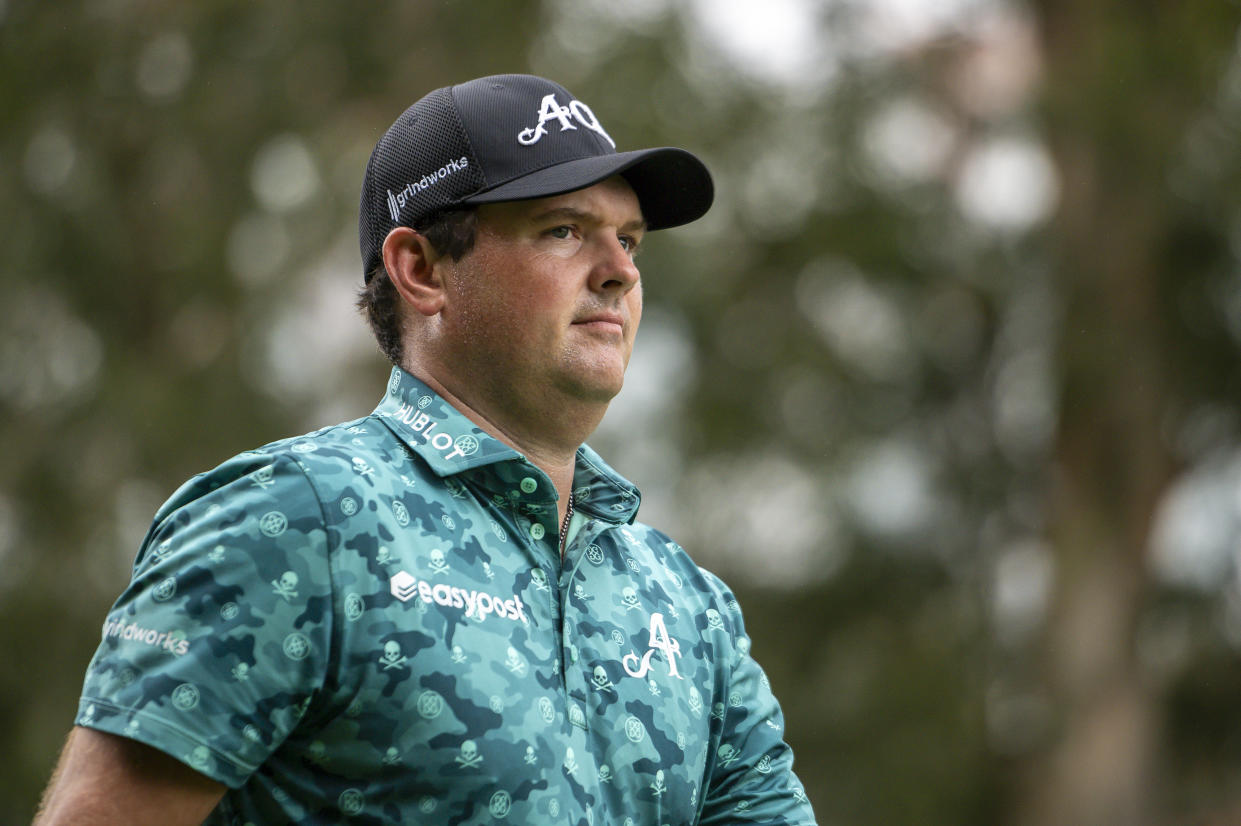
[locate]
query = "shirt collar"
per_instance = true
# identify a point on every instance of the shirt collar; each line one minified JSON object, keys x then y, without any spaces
{"x":451,"y":444}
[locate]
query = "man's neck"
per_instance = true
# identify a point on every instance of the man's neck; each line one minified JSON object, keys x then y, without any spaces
{"x":548,"y":437}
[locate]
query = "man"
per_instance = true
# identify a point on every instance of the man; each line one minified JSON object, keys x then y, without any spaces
{"x":445,"y":612}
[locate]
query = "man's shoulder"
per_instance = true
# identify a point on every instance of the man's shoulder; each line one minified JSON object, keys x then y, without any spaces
{"x":365,"y":436}
{"x":317,"y":465}
{"x":340,"y":453}
{"x":672,"y":556}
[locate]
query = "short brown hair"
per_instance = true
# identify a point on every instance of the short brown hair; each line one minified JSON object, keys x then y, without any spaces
{"x":451,"y":232}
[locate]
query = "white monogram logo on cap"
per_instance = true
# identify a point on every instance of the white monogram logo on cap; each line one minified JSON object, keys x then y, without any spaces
{"x":549,"y":109}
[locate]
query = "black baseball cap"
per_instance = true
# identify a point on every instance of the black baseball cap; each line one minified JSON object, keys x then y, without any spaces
{"x":512,"y":138}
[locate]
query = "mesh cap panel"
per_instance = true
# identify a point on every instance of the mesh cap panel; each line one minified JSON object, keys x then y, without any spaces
{"x":423,"y":164}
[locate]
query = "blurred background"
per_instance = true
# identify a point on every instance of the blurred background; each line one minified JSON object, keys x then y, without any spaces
{"x":945,"y":385}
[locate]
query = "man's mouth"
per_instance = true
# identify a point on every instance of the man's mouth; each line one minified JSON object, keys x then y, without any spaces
{"x":603,"y":322}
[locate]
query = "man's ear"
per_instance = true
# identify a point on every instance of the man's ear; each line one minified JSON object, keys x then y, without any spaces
{"x":411,"y":262}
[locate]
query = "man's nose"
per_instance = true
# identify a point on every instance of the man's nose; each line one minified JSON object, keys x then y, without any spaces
{"x":615,"y":269}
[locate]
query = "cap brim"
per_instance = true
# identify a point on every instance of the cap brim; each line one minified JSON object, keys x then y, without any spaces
{"x":672,"y":185}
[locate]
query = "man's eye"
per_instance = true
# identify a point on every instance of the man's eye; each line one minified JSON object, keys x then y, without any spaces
{"x":561,"y":232}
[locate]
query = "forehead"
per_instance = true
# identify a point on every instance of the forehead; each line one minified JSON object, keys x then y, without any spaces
{"x":611,"y":202}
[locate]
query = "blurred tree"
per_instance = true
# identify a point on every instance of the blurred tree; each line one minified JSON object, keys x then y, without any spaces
{"x":1139,"y":353}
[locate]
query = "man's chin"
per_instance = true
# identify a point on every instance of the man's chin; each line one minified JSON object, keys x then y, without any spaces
{"x":599,"y":394}
{"x":594,"y":387}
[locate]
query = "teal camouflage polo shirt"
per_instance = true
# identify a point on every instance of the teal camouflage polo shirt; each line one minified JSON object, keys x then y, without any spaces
{"x":373,"y":624}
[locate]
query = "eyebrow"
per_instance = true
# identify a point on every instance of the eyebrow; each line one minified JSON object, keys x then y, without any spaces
{"x":574,"y":214}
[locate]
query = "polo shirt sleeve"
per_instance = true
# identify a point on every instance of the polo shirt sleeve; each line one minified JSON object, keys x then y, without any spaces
{"x":217,"y":647}
{"x":751,"y":772}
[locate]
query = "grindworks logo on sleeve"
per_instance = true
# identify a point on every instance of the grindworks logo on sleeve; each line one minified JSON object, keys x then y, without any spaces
{"x":174,"y":642}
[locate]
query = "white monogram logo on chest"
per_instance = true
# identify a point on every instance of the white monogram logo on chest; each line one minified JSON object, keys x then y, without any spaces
{"x":659,"y":641}
{"x":550,"y":110}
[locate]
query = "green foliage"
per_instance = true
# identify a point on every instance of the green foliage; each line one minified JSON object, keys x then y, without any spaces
{"x":875,"y":398}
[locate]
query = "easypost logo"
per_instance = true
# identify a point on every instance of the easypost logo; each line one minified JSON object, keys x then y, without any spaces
{"x":477,"y":604}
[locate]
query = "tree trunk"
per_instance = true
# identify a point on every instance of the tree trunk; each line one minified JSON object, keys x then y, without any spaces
{"x":1120,"y":91}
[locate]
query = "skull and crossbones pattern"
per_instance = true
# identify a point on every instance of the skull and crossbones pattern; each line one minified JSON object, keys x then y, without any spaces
{"x":469,"y":758}
{"x":514,"y":662}
{"x":392,"y":656}
{"x":286,"y":586}
{"x":600,"y":680}
{"x":695,"y":701}
{"x":262,"y":478}
{"x":438,"y":565}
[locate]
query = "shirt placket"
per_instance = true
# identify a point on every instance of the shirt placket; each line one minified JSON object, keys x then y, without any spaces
{"x":577,"y":689}
{"x":537,"y":518}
